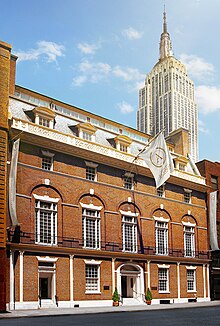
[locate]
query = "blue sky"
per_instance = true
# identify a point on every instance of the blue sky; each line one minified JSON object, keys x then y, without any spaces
{"x":95,"y":54}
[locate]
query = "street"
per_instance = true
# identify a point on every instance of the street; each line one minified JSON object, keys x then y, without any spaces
{"x":189,"y":316}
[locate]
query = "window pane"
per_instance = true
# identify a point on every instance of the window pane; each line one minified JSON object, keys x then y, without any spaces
{"x":92,"y":279}
{"x":91,"y":228}
{"x":45,"y":222}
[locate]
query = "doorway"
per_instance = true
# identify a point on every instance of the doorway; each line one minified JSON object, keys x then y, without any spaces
{"x":45,"y":288}
{"x":128,"y":285}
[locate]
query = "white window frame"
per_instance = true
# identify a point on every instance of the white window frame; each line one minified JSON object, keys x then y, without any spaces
{"x":192,"y":269}
{"x":161,"y":226}
{"x":91,"y":171}
{"x":132,"y":224}
{"x":95,"y":264}
{"x":165,"y":269}
{"x":39,"y":224}
{"x":47,"y":160}
{"x":91,"y":238}
{"x":44,"y":121}
{"x":189,"y":239}
{"x":128,"y":181}
{"x":187,"y":196}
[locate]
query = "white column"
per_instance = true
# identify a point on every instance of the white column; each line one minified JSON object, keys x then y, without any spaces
{"x":21,"y":274}
{"x":204,"y":280}
{"x":12,"y":280}
{"x":208,"y":288}
{"x":71,"y":279}
{"x":113,"y":275}
{"x":178,"y":281}
{"x":148,"y":274}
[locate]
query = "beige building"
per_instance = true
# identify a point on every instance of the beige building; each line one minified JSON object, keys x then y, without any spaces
{"x":167,"y":99}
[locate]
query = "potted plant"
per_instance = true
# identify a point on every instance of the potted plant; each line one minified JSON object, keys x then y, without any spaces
{"x":148,"y":296}
{"x":115,"y":298}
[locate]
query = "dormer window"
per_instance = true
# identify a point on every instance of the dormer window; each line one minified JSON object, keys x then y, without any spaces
{"x":44,"y":117}
{"x":44,"y":122}
{"x":181,"y":163}
{"x":86,"y":131}
{"x":86,"y":136}
{"x":123,"y":143}
{"x":123,"y":148}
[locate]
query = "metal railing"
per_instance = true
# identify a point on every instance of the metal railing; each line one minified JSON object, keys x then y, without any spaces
{"x":64,"y":242}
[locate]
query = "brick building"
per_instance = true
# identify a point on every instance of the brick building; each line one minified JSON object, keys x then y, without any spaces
{"x":86,"y":216}
{"x":211,"y":171}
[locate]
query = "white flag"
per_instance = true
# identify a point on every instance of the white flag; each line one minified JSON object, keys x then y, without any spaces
{"x":212,"y":221}
{"x":158,"y":159}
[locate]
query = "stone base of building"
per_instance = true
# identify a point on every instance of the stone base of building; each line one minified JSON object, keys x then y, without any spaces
{"x":94,"y":303}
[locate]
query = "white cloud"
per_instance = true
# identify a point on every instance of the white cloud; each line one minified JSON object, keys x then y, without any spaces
{"x":94,"y":72}
{"x":49,"y":50}
{"x":197,"y":67}
{"x":91,"y":72}
{"x":128,"y":74}
{"x":202,"y":128}
{"x":132,"y":34}
{"x":125,"y":107}
{"x":88,"y":48}
{"x":79,"y":80}
{"x":208,"y":98}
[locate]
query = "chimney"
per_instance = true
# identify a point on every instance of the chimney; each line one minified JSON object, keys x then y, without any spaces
{"x":12,"y":74}
{"x":180,"y":139}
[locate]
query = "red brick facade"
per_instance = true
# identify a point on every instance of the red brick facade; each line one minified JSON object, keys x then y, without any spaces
{"x":79,"y":237}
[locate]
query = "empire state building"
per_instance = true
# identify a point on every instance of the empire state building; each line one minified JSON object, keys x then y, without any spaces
{"x":166,"y":102}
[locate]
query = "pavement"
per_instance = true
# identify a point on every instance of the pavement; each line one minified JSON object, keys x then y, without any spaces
{"x":95,"y":310}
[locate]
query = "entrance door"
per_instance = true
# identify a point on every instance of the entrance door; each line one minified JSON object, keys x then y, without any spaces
{"x":124,"y":286}
{"x":44,"y":288}
{"x":130,"y":285}
{"x":127,"y":285}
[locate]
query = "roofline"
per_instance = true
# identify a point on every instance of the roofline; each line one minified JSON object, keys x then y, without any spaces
{"x":88,"y":112}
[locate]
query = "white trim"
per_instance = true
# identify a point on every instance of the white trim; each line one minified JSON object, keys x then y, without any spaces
{"x":47,"y":153}
{"x":187,"y":190}
{"x":161,"y":219}
{"x":12,"y":301}
{"x":148,"y":274}
{"x":91,"y":206}
{"x":191,"y":267}
{"x":47,"y":259}
{"x":129,"y":213}
{"x":71,"y":279}
{"x":163,"y":266}
{"x":129,"y":174}
{"x":113,"y":275}
{"x":188,"y":224}
{"x":92,"y":262}
{"x":204,"y":280}
{"x":91,"y":164}
{"x":46,"y":198}
{"x":178,"y":281}
{"x":21,"y":274}
{"x":208,"y":285}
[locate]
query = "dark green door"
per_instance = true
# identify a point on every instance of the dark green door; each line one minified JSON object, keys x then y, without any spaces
{"x":44,"y":288}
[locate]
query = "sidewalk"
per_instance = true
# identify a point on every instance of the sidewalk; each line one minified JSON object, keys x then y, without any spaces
{"x":96,"y":310}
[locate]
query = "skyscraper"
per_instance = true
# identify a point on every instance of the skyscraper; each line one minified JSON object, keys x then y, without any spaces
{"x":167,"y":99}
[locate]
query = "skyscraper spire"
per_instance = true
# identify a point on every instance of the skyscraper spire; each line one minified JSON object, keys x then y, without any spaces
{"x":165,"y":42}
{"x":164,"y":21}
